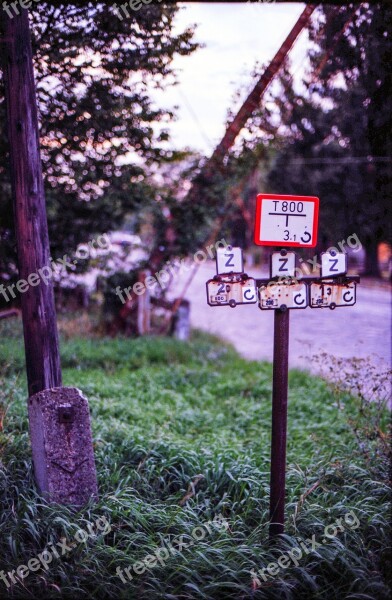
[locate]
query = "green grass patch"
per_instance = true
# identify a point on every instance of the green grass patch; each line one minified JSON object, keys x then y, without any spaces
{"x":182,"y":435}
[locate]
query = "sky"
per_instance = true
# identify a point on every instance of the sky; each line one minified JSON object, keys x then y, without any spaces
{"x":235,"y":36}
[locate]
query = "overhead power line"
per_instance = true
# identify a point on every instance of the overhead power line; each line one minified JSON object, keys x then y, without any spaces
{"x":342,"y":160}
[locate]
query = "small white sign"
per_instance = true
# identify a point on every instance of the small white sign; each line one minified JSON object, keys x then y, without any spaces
{"x":332,"y":295}
{"x":249,"y":292}
{"x":231,"y":293}
{"x":229,"y":260}
{"x":286,"y":221}
{"x":333,"y":263}
{"x":276,"y":295}
{"x":283,"y":264}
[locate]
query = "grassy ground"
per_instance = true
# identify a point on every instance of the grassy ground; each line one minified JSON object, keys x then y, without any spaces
{"x":182,"y":436}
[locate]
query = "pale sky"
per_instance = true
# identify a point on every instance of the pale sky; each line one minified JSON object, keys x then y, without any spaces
{"x":235,"y":36}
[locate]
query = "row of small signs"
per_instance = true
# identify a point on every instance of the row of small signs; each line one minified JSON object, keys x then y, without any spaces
{"x":272,"y":295}
{"x":232,"y":286}
{"x":283,"y":264}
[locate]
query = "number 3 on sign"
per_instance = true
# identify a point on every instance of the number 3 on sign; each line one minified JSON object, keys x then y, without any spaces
{"x":286,"y":220}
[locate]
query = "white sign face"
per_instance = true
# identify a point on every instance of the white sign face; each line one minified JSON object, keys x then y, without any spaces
{"x":333,"y":263}
{"x":286,"y":221}
{"x":331,"y":295}
{"x":283,"y":264}
{"x":276,"y":295}
{"x":231,"y":293}
{"x":229,"y":260}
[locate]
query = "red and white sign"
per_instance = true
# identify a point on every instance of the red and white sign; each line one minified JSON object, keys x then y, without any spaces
{"x":286,"y":220}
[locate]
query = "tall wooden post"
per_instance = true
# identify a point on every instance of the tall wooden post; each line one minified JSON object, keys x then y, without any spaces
{"x":38,"y":309}
{"x":59,"y":419}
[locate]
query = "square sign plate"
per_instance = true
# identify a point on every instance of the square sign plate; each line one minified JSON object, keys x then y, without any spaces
{"x":283,"y":264}
{"x":276,"y":295}
{"x":286,"y":221}
{"x":331,"y":295}
{"x":229,"y":260}
{"x":231,"y":293}
{"x":333,"y":263}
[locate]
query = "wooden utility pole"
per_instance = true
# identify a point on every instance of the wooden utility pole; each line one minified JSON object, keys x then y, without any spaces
{"x":253,"y":100}
{"x":38,"y":308}
{"x":215,"y":162}
{"x":59,"y":419}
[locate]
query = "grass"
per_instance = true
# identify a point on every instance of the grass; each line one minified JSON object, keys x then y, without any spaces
{"x":182,"y":434}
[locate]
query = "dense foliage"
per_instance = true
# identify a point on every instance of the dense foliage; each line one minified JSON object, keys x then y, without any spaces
{"x":338,"y":131}
{"x":329,"y":135}
{"x":100,"y":128}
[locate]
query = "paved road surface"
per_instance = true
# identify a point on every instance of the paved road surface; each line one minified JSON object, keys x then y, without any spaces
{"x":360,"y":331}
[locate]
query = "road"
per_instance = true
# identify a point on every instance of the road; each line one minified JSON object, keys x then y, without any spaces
{"x":360,"y":331}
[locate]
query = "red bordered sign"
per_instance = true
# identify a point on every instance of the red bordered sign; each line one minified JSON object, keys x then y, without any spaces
{"x":286,"y":220}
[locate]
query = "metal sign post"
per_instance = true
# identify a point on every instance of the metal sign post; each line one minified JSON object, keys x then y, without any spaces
{"x":287,"y":222}
{"x":279,"y":420}
{"x":290,"y":221}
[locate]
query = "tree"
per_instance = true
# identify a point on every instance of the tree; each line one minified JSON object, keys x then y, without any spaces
{"x":99,"y":126}
{"x":338,"y":133}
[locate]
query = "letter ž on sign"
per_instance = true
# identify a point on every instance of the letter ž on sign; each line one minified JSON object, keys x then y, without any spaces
{"x":283,"y":264}
{"x":229,"y":260}
{"x":333,"y":264}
